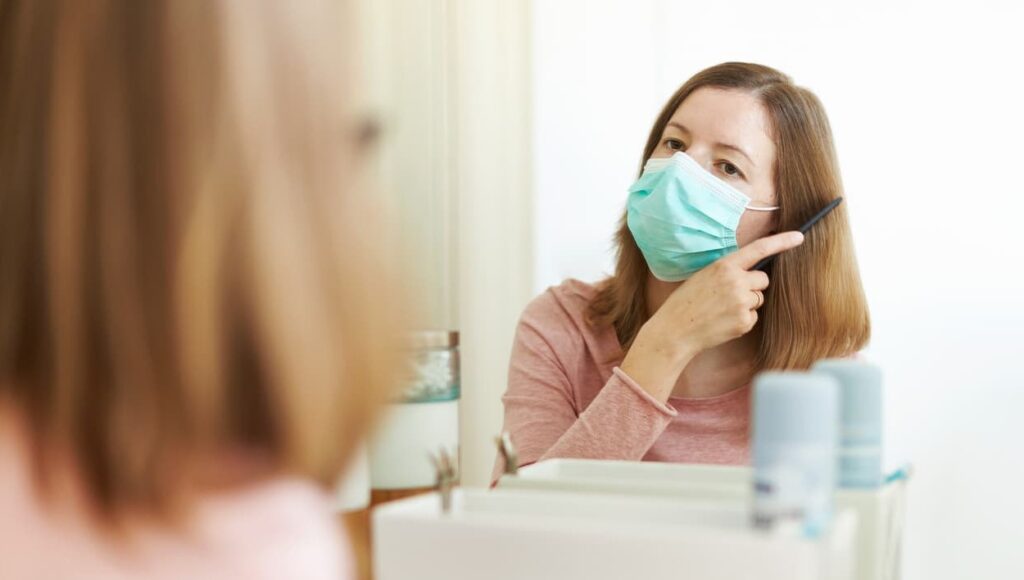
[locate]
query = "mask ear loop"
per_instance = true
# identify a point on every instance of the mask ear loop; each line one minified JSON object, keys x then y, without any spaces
{"x":773,"y":208}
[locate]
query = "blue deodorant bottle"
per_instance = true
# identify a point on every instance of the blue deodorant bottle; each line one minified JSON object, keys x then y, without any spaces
{"x":794,"y":439}
{"x":860,"y":434}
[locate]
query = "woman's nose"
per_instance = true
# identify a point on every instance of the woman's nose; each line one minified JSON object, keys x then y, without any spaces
{"x":701,"y":155}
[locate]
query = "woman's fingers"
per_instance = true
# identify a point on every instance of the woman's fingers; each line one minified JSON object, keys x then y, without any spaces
{"x":758,"y":280}
{"x":757,"y":299}
{"x":749,"y":255}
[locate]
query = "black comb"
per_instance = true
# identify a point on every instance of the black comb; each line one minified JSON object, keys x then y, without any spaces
{"x":765,"y":263}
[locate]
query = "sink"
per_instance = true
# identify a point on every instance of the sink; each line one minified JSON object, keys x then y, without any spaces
{"x":880,"y":512}
{"x":506,"y":534}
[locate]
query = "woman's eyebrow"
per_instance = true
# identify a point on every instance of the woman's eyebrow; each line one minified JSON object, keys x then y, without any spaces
{"x":678,"y":126}
{"x":736,"y":149}
{"x":728,"y":146}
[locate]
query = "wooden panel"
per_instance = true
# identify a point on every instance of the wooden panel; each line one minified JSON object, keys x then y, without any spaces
{"x":357,"y":525}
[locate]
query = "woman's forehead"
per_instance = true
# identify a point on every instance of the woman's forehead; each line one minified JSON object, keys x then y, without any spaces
{"x":729,"y":117}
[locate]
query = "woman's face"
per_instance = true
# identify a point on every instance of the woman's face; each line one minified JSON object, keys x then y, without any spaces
{"x":726,"y":132}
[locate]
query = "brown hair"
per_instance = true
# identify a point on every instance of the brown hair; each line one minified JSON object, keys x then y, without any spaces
{"x":184,"y":265}
{"x":815,"y":306}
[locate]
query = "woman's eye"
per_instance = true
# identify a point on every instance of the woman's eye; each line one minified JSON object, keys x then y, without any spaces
{"x":730,"y":169}
{"x":674,"y":144}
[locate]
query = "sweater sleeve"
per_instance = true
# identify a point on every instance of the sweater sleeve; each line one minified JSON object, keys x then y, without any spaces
{"x":541,"y":414}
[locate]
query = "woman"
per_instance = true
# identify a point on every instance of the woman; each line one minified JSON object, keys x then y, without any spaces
{"x":655,"y":362}
{"x":188,"y":350}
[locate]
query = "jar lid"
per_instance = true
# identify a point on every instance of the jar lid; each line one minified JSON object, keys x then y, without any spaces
{"x":794,"y":407}
{"x":425,"y":339}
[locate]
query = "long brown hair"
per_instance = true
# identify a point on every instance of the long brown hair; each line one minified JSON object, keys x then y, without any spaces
{"x":186,"y":266}
{"x":815,"y":306}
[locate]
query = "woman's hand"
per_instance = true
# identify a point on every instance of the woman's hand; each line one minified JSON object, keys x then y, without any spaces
{"x":716,"y":305}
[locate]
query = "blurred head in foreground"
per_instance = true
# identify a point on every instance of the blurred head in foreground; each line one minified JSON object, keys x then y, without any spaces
{"x":186,"y":261}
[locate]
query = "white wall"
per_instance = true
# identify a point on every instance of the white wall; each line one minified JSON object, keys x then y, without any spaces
{"x":926,"y":105}
{"x":449,"y":81}
{"x":406,"y":71}
{"x":491,"y":110}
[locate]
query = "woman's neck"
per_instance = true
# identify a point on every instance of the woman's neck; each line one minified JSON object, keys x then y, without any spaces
{"x":714,"y":371}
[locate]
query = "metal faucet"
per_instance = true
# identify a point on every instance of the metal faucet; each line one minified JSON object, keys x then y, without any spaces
{"x":447,"y":475}
{"x":508,"y":452}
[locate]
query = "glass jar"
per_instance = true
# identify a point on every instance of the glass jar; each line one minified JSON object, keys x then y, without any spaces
{"x":433,"y":373}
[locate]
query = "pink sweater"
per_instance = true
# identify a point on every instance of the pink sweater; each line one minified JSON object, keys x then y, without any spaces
{"x":283,"y":528}
{"x":567,"y":398}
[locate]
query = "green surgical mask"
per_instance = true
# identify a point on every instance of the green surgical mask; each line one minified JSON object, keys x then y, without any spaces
{"x":682,"y":217}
